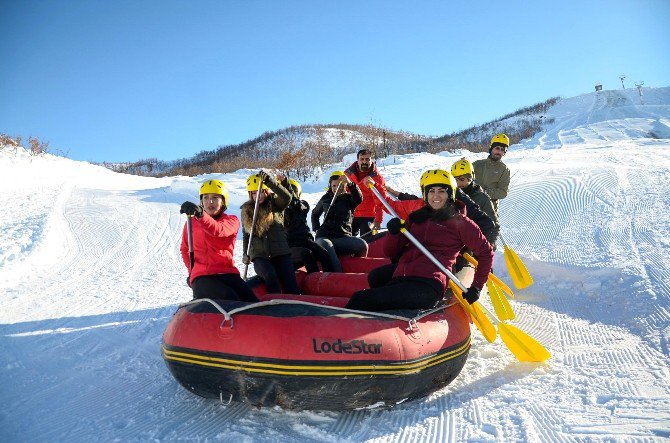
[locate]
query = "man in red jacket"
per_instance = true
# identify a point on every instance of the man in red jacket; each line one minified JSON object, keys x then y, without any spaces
{"x":371,"y":210}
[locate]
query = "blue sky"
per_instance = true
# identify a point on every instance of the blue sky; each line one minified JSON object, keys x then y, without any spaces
{"x":124,"y":80}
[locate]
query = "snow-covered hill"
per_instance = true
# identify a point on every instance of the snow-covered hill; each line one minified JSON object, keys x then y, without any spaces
{"x":90,"y":274}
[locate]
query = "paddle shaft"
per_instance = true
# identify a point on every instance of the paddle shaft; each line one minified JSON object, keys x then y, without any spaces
{"x":253,"y":224}
{"x":332,"y":201}
{"x":418,"y":244}
{"x":492,"y":276}
{"x":189,"y":236}
{"x":523,"y":346}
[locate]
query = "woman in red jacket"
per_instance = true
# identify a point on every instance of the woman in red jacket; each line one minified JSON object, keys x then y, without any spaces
{"x":213,"y":273}
{"x":441,"y":226}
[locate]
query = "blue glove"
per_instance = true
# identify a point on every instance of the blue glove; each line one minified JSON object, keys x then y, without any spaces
{"x":472,"y":294}
{"x":395,"y":225}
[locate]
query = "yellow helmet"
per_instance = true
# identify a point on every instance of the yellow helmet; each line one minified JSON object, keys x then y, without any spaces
{"x":336,"y":174}
{"x":215,"y":187}
{"x":501,"y":139}
{"x":252,"y":183}
{"x":333,"y":176}
{"x":296,"y":186}
{"x":462,"y":167}
{"x":438,"y":177}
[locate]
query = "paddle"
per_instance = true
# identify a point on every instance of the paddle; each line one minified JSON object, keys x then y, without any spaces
{"x":253,"y":224}
{"x":500,"y":303}
{"x":478,"y":318}
{"x":331,"y":202}
{"x":189,"y":237}
{"x":499,"y":283}
{"x":523,"y":346}
{"x":517,"y":269}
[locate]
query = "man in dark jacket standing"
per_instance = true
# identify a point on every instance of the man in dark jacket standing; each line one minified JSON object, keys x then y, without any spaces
{"x":370,"y":210}
{"x":464,"y":174}
{"x":491,"y":173}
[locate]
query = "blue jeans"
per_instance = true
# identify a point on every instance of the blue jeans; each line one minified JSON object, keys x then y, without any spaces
{"x":277,"y":272}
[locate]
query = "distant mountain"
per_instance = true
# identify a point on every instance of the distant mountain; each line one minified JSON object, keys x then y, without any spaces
{"x":302,"y":150}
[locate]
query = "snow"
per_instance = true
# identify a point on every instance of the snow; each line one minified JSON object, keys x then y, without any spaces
{"x":90,"y":274}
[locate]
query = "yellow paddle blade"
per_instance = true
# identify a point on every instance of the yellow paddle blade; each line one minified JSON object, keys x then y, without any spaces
{"x":480,"y":319}
{"x":517,"y":270}
{"x":501,"y":285}
{"x":523,"y":346}
{"x":500,"y":304}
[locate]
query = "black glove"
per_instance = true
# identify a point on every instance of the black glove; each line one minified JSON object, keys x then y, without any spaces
{"x":264,"y":176}
{"x":188,"y":281}
{"x":472,"y":294}
{"x":190,"y":208}
{"x":395,"y":225}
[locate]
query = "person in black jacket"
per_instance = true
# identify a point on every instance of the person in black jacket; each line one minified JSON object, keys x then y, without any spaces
{"x":337,"y":206}
{"x":304,"y":249}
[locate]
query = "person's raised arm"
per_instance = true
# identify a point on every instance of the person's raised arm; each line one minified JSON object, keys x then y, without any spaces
{"x":316,"y":214}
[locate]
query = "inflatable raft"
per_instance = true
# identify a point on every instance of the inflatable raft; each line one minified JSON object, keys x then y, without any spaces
{"x":308,"y":352}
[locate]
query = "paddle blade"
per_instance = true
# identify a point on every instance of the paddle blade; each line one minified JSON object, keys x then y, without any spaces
{"x":517,"y":270}
{"x":523,"y":346}
{"x":500,"y":303}
{"x":501,"y":285}
{"x":478,"y":317}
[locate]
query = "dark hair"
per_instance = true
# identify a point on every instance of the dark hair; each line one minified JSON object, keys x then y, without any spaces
{"x":438,"y":215}
{"x":498,"y":145}
{"x":364,"y":151}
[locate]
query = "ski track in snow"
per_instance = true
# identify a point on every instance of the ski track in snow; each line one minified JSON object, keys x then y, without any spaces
{"x":91,"y":274}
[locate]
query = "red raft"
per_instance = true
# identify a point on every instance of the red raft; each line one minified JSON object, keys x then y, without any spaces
{"x":308,"y":352}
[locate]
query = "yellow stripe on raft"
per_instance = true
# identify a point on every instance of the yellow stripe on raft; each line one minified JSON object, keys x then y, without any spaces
{"x":332,"y":370}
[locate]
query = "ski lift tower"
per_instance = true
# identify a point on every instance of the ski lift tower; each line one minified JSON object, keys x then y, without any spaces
{"x":639,"y":90}
{"x":622,"y":77}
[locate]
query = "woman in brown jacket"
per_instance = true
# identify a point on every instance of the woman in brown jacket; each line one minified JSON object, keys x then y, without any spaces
{"x":269,"y":252}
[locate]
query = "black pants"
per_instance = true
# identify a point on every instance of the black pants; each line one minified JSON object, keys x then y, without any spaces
{"x":400,"y":293}
{"x":222,"y":286}
{"x":277,"y":272}
{"x":361,"y":224}
{"x":382,"y":275}
{"x":310,"y":253}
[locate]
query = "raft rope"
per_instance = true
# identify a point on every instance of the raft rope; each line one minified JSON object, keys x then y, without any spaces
{"x":228,"y":315}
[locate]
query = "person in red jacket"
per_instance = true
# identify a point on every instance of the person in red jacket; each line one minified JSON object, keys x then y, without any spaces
{"x":213,"y":273}
{"x":371,"y":209}
{"x":442,"y":227}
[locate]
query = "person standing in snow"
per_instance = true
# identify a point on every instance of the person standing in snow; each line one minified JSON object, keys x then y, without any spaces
{"x":269,"y":252}
{"x":304,"y":250}
{"x":338,"y":205}
{"x":213,"y":273}
{"x":491,"y":173}
{"x":370,"y":210}
{"x":442,"y":227}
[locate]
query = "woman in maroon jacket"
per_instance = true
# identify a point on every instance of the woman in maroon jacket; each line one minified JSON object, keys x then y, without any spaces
{"x":213,"y":273}
{"x":441,"y":226}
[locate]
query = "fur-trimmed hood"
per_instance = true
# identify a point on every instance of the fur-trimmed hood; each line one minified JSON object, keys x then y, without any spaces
{"x":264,"y":218}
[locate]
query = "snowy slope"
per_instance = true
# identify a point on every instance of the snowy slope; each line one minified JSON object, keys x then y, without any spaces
{"x":90,"y":274}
